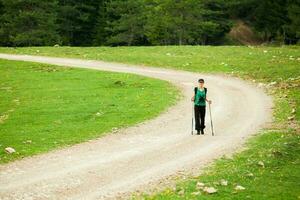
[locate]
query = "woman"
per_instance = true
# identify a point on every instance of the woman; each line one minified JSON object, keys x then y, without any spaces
{"x":200,"y":99}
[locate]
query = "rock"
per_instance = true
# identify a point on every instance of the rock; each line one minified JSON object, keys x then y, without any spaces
{"x":200,"y":185}
{"x":168,"y":54}
{"x":260,"y":163}
{"x":250,"y":174}
{"x":224,"y":182}
{"x":291,"y":118}
{"x":57,"y":45}
{"x":114,"y":129}
{"x":27,"y":142}
{"x":209,"y":190}
{"x":261,"y":85}
{"x":196,"y":193}
{"x":10,"y":150}
{"x":293,"y":111}
{"x":273,"y":83}
{"x":99,"y":114}
{"x":181,"y":192}
{"x":239,"y":187}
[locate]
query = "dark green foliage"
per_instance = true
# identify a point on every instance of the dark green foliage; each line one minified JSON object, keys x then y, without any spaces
{"x":292,"y":30}
{"x":126,"y":22}
{"x":28,"y":23}
{"x":275,"y":20}
{"x":77,"y":20}
{"x":143,"y":22}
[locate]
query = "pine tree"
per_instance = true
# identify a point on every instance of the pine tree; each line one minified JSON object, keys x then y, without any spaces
{"x":292,"y":29}
{"x":126,"y":22}
{"x":77,"y":21}
{"x":29,"y":23}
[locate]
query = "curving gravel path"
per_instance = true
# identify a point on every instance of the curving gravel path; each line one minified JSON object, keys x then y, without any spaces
{"x":135,"y":157}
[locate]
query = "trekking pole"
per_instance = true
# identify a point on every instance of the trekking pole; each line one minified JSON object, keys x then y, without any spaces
{"x":212,"y":129}
{"x":192,"y":117}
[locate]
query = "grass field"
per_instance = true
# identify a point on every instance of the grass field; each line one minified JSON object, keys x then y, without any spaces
{"x":269,"y":168}
{"x":44,"y":107}
{"x":268,"y":63}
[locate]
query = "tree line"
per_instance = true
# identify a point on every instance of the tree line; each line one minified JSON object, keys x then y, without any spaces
{"x":143,"y":22}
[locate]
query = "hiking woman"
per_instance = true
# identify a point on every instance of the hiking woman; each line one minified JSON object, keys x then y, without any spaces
{"x":200,"y":99}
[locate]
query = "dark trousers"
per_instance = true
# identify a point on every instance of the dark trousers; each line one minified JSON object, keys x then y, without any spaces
{"x":199,"y":117}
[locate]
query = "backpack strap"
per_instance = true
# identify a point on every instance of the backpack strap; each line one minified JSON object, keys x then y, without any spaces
{"x":195,"y":90}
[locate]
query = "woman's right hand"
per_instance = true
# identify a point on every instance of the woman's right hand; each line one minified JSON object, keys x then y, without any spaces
{"x":193,"y":98}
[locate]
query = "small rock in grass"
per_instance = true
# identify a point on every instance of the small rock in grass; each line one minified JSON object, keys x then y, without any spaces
{"x":196,"y":193}
{"x":250,"y":174}
{"x":209,"y":190}
{"x":114,"y":129}
{"x":27,"y":142}
{"x":181,"y":192}
{"x":99,"y":114}
{"x":291,"y":118}
{"x":293,"y":111}
{"x":260,"y":163}
{"x":200,"y":185}
{"x":10,"y":150}
{"x":224,"y":182}
{"x":239,"y":187}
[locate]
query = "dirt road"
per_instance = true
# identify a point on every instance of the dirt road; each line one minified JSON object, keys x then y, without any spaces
{"x":134,"y":157}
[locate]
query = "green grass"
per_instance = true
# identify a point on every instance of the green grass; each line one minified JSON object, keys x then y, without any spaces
{"x":277,"y":179}
{"x":277,"y":147}
{"x":269,"y":63}
{"x":57,"y":106}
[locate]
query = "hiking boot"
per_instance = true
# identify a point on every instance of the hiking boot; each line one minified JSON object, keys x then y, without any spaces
{"x":198,"y":132}
{"x":202,"y":132}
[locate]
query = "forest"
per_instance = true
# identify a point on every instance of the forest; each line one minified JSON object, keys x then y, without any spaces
{"x":144,"y":22}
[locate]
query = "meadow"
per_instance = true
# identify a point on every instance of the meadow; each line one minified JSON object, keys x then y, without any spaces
{"x":45,"y":107}
{"x":268,"y":168}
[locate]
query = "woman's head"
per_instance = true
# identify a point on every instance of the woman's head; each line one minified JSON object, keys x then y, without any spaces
{"x":201,"y":82}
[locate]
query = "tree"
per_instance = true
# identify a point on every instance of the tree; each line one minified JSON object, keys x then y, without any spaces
{"x":186,"y":22}
{"x":77,"y":21}
{"x":292,"y":29}
{"x":29,"y":23}
{"x":126,"y":22}
{"x":269,"y":18}
{"x":101,"y":33}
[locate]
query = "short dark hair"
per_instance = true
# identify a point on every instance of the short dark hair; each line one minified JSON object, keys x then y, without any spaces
{"x":201,"y":80}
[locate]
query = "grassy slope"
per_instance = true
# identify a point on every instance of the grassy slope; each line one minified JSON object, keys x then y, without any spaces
{"x":277,"y":148}
{"x":57,"y":106}
{"x":269,"y":63}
